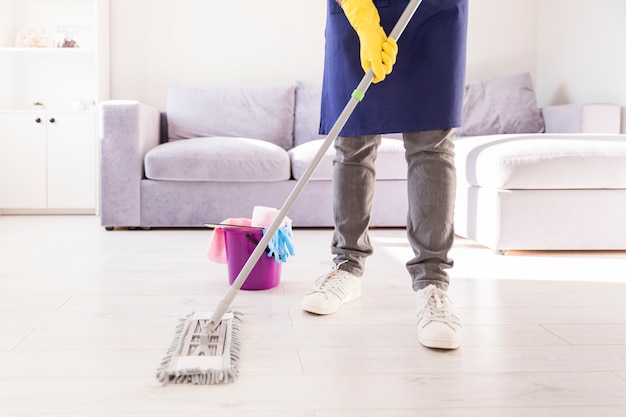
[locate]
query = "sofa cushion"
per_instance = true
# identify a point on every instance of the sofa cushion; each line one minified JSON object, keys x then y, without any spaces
{"x":218,"y":159}
{"x":501,"y":105}
{"x":308,"y":105}
{"x":264,"y":112}
{"x":546,"y":161}
{"x":390,"y":162}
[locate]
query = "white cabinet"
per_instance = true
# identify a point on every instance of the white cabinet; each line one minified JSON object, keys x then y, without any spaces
{"x":48,"y":161}
{"x":22,"y":161}
{"x":51,"y":165}
{"x":71,"y":157}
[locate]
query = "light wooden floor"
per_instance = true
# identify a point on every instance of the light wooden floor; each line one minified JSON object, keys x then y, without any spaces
{"x":86,"y":316}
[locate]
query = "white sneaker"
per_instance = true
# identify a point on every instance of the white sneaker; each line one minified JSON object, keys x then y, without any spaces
{"x":437,"y":325}
{"x":331,"y":291}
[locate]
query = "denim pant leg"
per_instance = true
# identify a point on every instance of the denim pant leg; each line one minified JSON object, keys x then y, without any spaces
{"x":431,"y":191}
{"x":354,"y":177}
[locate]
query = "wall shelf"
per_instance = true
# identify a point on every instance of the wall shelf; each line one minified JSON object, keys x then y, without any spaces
{"x":47,"y":51}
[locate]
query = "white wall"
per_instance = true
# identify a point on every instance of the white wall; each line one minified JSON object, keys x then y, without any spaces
{"x":157,"y":42}
{"x":573,"y":48}
{"x":582,"y":53}
{"x":501,"y":38}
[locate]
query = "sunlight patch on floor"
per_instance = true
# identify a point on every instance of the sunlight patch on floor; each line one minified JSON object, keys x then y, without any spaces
{"x":477,"y":262}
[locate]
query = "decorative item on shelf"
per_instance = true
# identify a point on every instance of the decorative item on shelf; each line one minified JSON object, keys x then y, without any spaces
{"x":38,"y":105}
{"x":68,"y":44}
{"x":33,"y":39}
{"x":78,"y":105}
{"x":75,"y":36}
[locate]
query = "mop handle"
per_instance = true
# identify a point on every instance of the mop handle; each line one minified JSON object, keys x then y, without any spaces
{"x":357,"y":96}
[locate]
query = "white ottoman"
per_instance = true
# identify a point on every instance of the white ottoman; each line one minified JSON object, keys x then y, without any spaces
{"x":542,"y":191}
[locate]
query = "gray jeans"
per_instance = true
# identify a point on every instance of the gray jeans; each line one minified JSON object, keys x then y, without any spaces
{"x":431,"y":191}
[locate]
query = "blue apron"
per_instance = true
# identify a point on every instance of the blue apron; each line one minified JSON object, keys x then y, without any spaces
{"x":425,"y":89}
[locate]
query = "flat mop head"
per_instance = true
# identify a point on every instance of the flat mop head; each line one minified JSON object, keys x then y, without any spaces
{"x":195,"y":358}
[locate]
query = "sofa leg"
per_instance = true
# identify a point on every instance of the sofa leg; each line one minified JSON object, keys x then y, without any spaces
{"x":499,"y":252}
{"x":109,"y":228}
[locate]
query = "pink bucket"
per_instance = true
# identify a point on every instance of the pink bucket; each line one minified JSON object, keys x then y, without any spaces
{"x":239,"y":244}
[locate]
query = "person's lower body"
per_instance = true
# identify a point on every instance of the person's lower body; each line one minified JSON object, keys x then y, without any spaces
{"x":431,"y":184}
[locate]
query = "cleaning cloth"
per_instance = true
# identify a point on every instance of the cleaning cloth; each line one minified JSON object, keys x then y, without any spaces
{"x":216,"y":251}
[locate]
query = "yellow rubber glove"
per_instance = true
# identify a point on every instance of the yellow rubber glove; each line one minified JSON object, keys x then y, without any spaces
{"x":378,"y":52}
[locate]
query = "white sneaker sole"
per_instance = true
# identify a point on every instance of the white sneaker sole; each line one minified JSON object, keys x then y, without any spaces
{"x":440,"y":344}
{"x":316,"y":309}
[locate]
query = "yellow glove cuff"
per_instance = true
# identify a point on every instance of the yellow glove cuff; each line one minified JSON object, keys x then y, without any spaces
{"x":361,"y":13}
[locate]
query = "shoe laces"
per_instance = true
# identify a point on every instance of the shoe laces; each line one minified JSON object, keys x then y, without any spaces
{"x":437,"y":307}
{"x":330,"y":282}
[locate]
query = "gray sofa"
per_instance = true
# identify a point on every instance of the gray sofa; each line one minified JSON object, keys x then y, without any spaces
{"x":218,"y":151}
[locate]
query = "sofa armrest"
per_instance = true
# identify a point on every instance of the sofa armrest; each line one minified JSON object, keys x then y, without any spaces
{"x":582,"y":118}
{"x":128,"y":129}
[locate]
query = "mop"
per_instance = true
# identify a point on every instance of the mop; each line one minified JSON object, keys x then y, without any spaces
{"x":206,"y":346}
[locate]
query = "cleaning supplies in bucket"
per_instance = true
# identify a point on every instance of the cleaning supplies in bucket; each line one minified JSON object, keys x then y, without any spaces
{"x":234,"y":239}
{"x":280,"y":246}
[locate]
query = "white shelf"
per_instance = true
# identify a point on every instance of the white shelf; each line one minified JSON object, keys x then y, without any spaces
{"x":46,"y":51}
{"x":49,"y":111}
